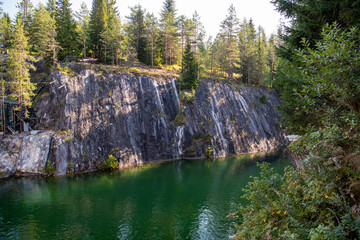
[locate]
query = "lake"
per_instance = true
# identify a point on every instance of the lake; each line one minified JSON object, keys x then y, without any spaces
{"x":185,"y":199}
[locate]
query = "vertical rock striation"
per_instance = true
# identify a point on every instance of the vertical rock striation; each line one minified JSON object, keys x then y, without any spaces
{"x":132,"y":118}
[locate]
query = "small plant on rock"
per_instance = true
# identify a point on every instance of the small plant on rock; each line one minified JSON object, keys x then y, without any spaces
{"x":109,"y":163}
{"x":209,"y":151}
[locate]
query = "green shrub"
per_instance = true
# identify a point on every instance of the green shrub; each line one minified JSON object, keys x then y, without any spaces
{"x":209,"y":151}
{"x":318,"y":200}
{"x":295,"y":206}
{"x":207,"y":138}
{"x":187,"y":96}
{"x":263,"y":99}
{"x":110,"y":163}
{"x":50,"y":170}
{"x":180,"y":118}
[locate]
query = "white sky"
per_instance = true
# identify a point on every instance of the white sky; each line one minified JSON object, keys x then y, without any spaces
{"x":212,"y":12}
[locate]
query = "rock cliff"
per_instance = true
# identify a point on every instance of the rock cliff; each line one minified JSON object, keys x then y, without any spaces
{"x":138,"y":119}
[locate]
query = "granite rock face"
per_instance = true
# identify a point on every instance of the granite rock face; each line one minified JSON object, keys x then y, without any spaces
{"x":26,"y":153}
{"x":139,"y":119}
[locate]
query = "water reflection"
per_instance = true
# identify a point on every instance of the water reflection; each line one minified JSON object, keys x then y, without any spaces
{"x":173,"y":200}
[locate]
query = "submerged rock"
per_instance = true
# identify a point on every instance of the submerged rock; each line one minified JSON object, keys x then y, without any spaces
{"x":135,"y":119}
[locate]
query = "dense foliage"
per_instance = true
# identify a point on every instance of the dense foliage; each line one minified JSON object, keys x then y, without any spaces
{"x":189,"y":69}
{"x":239,"y":52}
{"x":320,"y":199}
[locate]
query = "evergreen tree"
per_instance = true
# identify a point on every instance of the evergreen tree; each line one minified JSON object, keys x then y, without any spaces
{"x":261,"y":55}
{"x":152,"y":37}
{"x":25,"y":7}
{"x":41,"y":30}
{"x":97,"y":24}
{"x":250,"y":51}
{"x":198,"y":41}
{"x":66,"y":30}
{"x":111,"y":38}
{"x":82,"y":28}
{"x":5,"y":31}
{"x":136,"y":30}
{"x":182,"y":25}
{"x":229,"y":31}
{"x":308,"y":17}
{"x":21,"y":86}
{"x":51,"y":8}
{"x":272,"y":60}
{"x":189,"y":69}
{"x":169,"y":32}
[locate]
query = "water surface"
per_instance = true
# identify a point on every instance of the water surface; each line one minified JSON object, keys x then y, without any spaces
{"x":173,"y":200}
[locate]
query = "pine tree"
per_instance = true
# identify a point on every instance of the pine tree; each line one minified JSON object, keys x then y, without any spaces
{"x":41,"y":31}
{"x":51,"y":8}
{"x":308,"y":17}
{"x":189,"y":69}
{"x":25,"y":7}
{"x":20,"y":85}
{"x":136,"y":30}
{"x":198,"y":41}
{"x":82,"y":28}
{"x":5,"y":31}
{"x":169,"y":32}
{"x":261,"y":55}
{"x":111,"y":37}
{"x":66,"y":34}
{"x":229,"y":31}
{"x":250,"y":50}
{"x":97,"y":24}
{"x":152,"y":37}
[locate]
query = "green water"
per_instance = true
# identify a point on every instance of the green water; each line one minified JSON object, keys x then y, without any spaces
{"x":173,"y":200}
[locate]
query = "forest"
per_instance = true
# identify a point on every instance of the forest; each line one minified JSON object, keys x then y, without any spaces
{"x":240,"y":52}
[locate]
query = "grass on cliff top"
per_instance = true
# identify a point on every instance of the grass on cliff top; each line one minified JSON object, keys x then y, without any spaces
{"x":128,"y":67}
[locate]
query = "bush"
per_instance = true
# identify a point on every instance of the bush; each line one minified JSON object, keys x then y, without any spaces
{"x":187,"y":96}
{"x":180,"y":118}
{"x":208,"y":152}
{"x":50,"y":170}
{"x":263,"y":99}
{"x":320,"y":200}
{"x":295,"y":206}
{"x":109,"y":163}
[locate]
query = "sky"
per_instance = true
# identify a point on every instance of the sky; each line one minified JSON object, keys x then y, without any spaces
{"x":211,"y":12}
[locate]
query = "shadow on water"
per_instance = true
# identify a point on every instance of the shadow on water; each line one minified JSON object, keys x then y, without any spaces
{"x":185,"y":199}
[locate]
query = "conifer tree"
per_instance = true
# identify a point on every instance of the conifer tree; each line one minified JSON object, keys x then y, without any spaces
{"x":5,"y":31}
{"x":82,"y":28}
{"x":189,"y":68}
{"x":25,"y":7}
{"x":169,"y":32}
{"x":97,"y":24}
{"x":261,"y":55}
{"x":51,"y":8}
{"x":41,"y":30}
{"x":111,"y":38}
{"x":136,"y":30}
{"x":250,"y":59}
{"x":229,"y":31}
{"x":66,"y":29}
{"x":20,"y":85}
{"x":152,"y":37}
{"x":198,"y":41}
{"x":308,"y":17}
